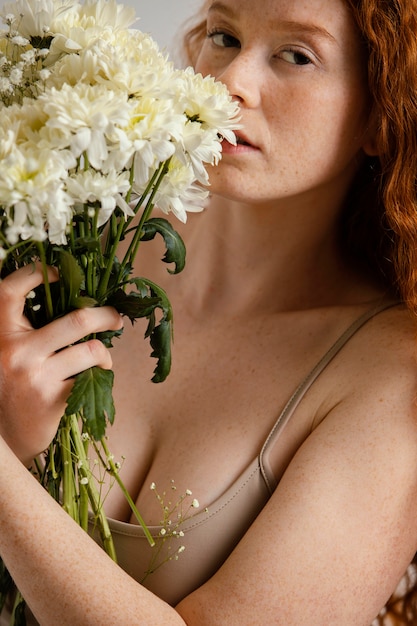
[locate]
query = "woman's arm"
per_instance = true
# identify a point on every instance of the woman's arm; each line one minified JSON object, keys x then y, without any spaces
{"x":65,"y":577}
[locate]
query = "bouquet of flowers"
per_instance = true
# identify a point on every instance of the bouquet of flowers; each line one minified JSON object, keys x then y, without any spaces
{"x":97,"y":129}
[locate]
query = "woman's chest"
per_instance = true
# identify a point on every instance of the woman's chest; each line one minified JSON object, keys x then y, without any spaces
{"x":201,"y":427}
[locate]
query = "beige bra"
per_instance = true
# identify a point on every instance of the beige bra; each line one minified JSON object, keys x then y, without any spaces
{"x":211,"y":535}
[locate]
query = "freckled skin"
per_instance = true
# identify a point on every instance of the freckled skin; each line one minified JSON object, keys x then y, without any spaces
{"x":265,"y":293}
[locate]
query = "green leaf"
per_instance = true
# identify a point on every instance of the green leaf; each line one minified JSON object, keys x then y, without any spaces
{"x":134,"y":305}
{"x":160,"y":334}
{"x":161,"y":343}
{"x":175,"y":248}
{"x":71,"y":276}
{"x":86,"y":244}
{"x":108,"y":336}
{"x":6,"y":584}
{"x":92,"y":398}
{"x":144,"y":285}
{"x":83,"y":302}
{"x":19,"y":614}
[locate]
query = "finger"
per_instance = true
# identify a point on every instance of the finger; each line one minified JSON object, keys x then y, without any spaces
{"x":78,"y":358}
{"x":76,"y":325}
{"x":15,"y":287}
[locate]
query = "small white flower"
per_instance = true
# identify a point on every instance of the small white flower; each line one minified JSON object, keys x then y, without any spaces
{"x":84,"y":481}
{"x":163,"y":532}
{"x":152,"y":487}
{"x":195,"y":503}
{"x":29,"y":56}
{"x":44,"y":74}
{"x":18,"y":40}
{"x":16,"y":76}
{"x":5,"y":85}
{"x":9,"y":18}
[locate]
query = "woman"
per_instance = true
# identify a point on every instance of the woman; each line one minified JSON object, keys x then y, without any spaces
{"x":310,"y":229}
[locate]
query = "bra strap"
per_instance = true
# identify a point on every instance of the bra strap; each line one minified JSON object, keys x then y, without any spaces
{"x":302,"y":389}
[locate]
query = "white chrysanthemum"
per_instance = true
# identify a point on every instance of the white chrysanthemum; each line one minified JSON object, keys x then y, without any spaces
{"x":7,"y":141}
{"x":178,"y":192}
{"x":130,"y":61}
{"x":37,"y":18}
{"x":106,"y":15}
{"x":153,"y":128}
{"x":200,"y":146}
{"x":134,"y":64}
{"x":109,"y":191}
{"x":72,"y":69}
{"x":33,"y":197}
{"x":93,"y":21}
{"x":26,"y":120}
{"x":208,"y":101}
{"x":84,"y":118}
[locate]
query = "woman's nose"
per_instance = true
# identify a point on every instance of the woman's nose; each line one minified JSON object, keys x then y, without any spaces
{"x":244,"y":78}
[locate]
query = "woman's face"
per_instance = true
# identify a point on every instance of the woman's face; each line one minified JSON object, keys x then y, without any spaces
{"x":298,"y":70}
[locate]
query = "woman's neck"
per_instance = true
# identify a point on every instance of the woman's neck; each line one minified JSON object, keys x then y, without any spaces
{"x":270,"y":258}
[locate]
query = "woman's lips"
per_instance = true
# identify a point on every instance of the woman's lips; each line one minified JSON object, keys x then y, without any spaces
{"x":243,"y":145}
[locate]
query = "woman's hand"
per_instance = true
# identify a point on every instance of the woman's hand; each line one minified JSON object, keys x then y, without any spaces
{"x":36,"y":366}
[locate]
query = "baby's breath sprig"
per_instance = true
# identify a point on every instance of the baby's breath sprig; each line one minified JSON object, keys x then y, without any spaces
{"x":174,"y":514}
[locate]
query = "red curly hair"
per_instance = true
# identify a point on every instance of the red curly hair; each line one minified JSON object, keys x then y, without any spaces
{"x":379,"y":222}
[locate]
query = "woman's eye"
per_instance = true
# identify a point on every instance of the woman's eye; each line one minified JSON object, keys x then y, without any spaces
{"x":295,"y":57}
{"x":223,"y":40}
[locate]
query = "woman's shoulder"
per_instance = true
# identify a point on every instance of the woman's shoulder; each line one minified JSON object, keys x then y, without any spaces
{"x":371,"y":387}
{"x":384,"y":351}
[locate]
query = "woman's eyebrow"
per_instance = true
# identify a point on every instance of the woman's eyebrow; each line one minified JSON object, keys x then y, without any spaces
{"x":307,"y":28}
{"x":304,"y":27}
{"x":217,"y":5}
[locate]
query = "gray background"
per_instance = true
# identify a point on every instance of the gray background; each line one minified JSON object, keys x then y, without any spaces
{"x":163,"y":18}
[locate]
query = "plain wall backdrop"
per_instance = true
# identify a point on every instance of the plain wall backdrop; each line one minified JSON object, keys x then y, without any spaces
{"x":161,"y":18}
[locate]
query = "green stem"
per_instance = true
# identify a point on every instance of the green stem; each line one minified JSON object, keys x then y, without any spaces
{"x":123,"y":227}
{"x":134,"y":244}
{"x":68,"y":479}
{"x":93,"y":494}
{"x":110,"y":256}
{"x":114,"y":472}
{"x":48,"y":296}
